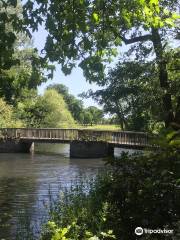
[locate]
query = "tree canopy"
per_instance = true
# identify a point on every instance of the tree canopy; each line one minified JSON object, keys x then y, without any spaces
{"x":89,"y":33}
{"x":132,"y":92}
{"x":48,"y":110}
{"x":74,"y":105}
{"x":82,"y":115}
{"x":7,"y":116}
{"x":20,"y":65}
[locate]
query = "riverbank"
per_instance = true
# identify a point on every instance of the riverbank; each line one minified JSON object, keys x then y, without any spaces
{"x":25,"y":182}
{"x":100,"y":127}
{"x":137,"y":190}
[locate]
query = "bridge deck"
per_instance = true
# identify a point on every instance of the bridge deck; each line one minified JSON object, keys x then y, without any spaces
{"x":116,"y":138}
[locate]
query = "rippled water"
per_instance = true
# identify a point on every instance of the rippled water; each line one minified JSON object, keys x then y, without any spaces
{"x":26,"y":182}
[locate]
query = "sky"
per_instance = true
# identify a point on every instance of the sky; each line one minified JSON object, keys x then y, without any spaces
{"x":75,"y":81}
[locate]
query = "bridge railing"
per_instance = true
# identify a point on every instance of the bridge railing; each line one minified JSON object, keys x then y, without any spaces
{"x":40,"y":133}
{"x":130,"y":138}
{"x":114,"y":137}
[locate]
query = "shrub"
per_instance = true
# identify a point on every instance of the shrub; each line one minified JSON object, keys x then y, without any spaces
{"x":136,"y":191}
{"x":80,"y":213}
{"x":7,"y":118}
{"x":144,"y":191}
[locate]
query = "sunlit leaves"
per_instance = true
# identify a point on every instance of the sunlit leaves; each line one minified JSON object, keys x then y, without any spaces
{"x":169,"y":22}
{"x":95,"y":17}
{"x":82,"y":29}
{"x":7,"y":118}
{"x":48,"y":110}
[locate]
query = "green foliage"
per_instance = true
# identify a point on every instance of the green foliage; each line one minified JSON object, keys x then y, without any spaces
{"x":48,"y":110}
{"x":20,"y":65}
{"x":57,"y":233}
{"x":136,"y":190}
{"x":132,"y":93}
{"x":9,"y":19}
{"x":105,"y":127}
{"x":168,"y":138}
{"x":74,"y":105}
{"x":90,"y":115}
{"x":7,"y":118}
{"x":28,"y":74}
{"x":129,"y":96}
{"x":78,"y":215}
{"x":57,"y":112}
{"x":29,"y":110}
{"x":97,"y":114}
{"x":91,"y":30}
{"x":149,"y":196}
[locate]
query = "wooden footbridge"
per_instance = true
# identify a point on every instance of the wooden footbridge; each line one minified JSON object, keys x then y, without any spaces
{"x":84,"y":137}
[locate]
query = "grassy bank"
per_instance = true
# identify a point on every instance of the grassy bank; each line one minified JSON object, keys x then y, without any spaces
{"x":101,"y":127}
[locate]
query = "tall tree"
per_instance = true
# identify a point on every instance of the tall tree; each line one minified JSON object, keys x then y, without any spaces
{"x":96,"y":113}
{"x":74,"y":105}
{"x":9,"y":19}
{"x":133,"y":93}
{"x":89,"y":32}
{"x":129,"y":96}
{"x":20,"y":65}
{"x":89,"y":115}
{"x":27,"y":74}
{"x":49,"y":110}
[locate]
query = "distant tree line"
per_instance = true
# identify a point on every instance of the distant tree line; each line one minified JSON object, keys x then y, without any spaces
{"x":89,"y":115}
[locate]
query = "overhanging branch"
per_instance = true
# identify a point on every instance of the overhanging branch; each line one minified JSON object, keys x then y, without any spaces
{"x":136,"y":39}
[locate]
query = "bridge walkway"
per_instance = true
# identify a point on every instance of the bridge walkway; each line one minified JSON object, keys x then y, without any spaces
{"x":115,"y":138}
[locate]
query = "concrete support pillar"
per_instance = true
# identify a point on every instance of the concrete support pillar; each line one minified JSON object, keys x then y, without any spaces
{"x":31,"y":149}
{"x":15,"y":146}
{"x":82,"y":149}
{"x":110,"y":150}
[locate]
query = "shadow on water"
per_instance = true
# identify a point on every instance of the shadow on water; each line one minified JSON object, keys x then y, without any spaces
{"x":15,"y":202}
{"x":26,"y":182}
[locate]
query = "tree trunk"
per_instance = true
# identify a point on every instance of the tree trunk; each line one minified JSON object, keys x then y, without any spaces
{"x":163,"y":78}
{"x":121,"y":117}
{"x":177,"y":115}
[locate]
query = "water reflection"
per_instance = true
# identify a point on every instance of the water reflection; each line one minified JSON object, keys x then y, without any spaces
{"x":26,"y":181}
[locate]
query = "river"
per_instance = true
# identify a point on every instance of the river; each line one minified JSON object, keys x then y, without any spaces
{"x":27,"y":181}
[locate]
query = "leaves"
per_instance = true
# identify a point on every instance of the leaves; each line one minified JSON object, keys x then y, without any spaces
{"x":48,"y":110}
{"x":7,"y":116}
{"x":96,"y":17}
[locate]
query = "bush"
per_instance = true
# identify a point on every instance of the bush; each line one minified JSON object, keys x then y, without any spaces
{"x":137,"y":191}
{"x":144,"y":191}
{"x":80,"y":213}
{"x":7,"y":118}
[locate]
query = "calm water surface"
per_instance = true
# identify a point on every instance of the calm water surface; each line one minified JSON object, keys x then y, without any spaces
{"x":26,"y":181}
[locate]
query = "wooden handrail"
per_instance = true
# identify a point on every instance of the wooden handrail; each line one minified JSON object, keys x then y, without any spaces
{"x":70,"y":134}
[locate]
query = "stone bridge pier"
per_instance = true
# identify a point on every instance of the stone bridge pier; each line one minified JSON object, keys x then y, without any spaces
{"x":84,"y":149}
{"x":84,"y":143}
{"x":16,"y":146}
{"x":78,"y":149}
